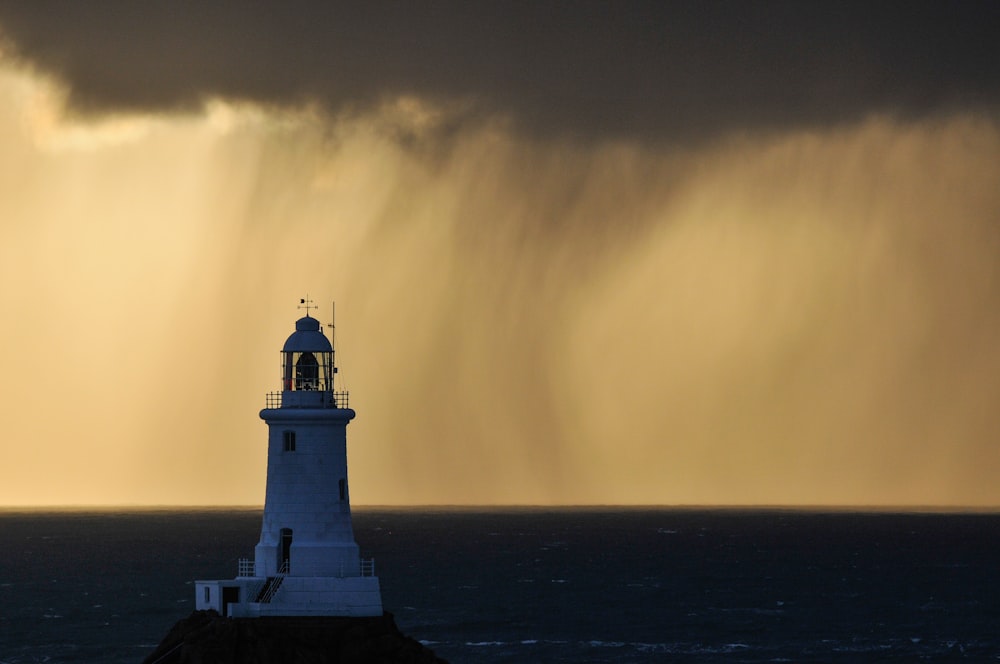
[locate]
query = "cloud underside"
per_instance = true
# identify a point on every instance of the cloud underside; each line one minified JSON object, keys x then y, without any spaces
{"x":656,"y":71}
{"x":802,"y":312}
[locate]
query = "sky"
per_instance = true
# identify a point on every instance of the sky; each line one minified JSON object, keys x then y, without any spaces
{"x":690,"y":253}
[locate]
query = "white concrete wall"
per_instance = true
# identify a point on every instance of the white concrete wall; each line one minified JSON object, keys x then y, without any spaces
{"x":214,"y":600}
{"x":247,"y":586}
{"x":352,"y":596}
{"x":305,"y":596}
{"x":303,"y":494}
{"x":322,"y":559}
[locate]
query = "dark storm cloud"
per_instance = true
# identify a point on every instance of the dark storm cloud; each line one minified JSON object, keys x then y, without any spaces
{"x":651,"y":70}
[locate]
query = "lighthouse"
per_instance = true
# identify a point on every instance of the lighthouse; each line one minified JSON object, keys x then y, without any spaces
{"x":306,"y":562}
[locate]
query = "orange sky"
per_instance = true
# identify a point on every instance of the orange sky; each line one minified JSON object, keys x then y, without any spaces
{"x":797,"y":317}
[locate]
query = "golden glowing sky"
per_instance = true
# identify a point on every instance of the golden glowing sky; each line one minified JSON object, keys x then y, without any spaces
{"x":803,"y":315}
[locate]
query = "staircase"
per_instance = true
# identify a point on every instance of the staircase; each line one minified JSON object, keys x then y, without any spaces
{"x":271,"y":585}
{"x":269,"y":589}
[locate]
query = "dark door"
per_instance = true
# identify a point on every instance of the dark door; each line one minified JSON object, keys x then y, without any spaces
{"x":286,"y":550}
{"x":230,"y":595}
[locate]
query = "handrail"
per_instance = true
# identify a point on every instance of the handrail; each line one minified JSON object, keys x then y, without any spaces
{"x":332,"y":399}
{"x":274,"y":583}
{"x":253,"y":589}
{"x":367,"y":567}
{"x":163,"y":657}
{"x":247,"y":568}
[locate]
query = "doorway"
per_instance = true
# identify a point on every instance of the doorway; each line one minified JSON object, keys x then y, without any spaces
{"x":286,"y":551}
{"x":230,"y":595}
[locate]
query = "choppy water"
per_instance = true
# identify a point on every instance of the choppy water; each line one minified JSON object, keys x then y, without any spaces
{"x":592,"y":585}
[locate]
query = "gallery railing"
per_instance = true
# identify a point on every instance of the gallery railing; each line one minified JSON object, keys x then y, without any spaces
{"x":326,"y":399}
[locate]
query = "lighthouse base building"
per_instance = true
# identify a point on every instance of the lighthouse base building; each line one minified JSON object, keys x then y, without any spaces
{"x":306,"y":562}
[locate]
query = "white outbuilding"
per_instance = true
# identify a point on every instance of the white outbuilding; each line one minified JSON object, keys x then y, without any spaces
{"x":306,"y":562}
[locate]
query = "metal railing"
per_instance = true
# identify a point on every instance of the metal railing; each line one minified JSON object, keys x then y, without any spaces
{"x":253,"y":590}
{"x":274,"y":583}
{"x":247,"y":568}
{"x":367,"y":567}
{"x":330,"y":400}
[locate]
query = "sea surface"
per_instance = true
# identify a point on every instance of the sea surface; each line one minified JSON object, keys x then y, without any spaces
{"x":542,"y":585}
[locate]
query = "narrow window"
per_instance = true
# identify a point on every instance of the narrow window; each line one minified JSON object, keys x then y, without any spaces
{"x":289,"y":439}
{"x":343,"y":490}
{"x":208,"y":595}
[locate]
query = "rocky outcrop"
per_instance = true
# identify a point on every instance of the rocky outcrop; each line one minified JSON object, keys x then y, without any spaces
{"x":205,"y":637}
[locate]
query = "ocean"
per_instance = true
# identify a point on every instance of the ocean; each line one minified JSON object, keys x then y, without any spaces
{"x":542,"y":584}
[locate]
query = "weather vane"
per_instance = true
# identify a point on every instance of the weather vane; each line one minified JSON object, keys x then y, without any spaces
{"x":306,"y":303}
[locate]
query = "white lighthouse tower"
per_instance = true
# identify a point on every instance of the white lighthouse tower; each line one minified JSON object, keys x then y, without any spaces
{"x":307,"y":562}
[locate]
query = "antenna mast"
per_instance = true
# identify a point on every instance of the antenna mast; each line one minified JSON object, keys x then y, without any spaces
{"x":333,"y":325}
{"x":333,"y":339}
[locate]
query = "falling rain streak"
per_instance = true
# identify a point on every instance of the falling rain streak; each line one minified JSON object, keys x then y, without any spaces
{"x":797,"y":317}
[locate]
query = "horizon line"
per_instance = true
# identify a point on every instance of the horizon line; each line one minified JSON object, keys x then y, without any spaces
{"x":803,"y":507}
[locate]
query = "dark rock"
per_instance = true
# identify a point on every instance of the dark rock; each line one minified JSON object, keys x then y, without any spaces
{"x":205,"y":637}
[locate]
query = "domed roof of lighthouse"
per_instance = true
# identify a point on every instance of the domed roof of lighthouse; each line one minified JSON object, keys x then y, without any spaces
{"x":307,"y":338}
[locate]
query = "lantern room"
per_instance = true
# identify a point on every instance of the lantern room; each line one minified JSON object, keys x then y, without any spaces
{"x":307,"y":368}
